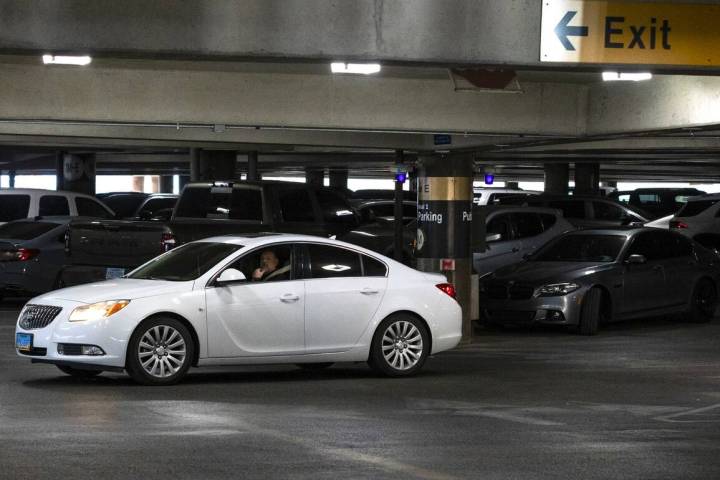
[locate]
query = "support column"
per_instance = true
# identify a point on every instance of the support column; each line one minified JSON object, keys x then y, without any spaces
{"x":339,"y":178}
{"x":11,"y":178}
{"x":76,"y":173}
{"x":587,"y":178}
{"x":195,"y":164}
{"x":184,"y":180}
{"x":138,"y":182}
{"x":557,"y":177}
{"x":166,"y":183}
{"x":413,"y":179}
{"x":444,"y":219}
{"x":252,"y":168}
{"x":398,"y":211}
{"x":314,"y":176}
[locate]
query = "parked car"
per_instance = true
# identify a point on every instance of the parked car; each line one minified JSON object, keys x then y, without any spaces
{"x":699,"y":215}
{"x":662,"y":222}
{"x":196,"y":305}
{"x":512,"y":232}
{"x":589,"y":277}
{"x":658,"y":202}
{"x":124,"y":204}
{"x":380,"y":237}
{"x":157,"y":206}
{"x":585,"y":211}
{"x":380,"y":194}
{"x":602,"y":191}
{"x":384,"y":210}
{"x":18,"y":203}
{"x":492,"y":195}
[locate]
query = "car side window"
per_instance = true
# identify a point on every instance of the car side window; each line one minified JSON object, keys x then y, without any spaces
{"x":548,"y":220}
{"x":608,"y":211}
{"x":87,"y":207}
{"x":53,"y":205}
{"x":652,"y":245}
{"x":500,"y":224}
{"x":527,"y":224}
{"x":333,"y":262}
{"x":296,"y":205}
{"x":334,"y":208}
{"x":676,"y":245}
{"x":570,"y":208}
{"x":372,"y":267}
{"x":273,"y":263}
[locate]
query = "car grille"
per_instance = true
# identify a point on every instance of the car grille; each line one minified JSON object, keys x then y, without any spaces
{"x":70,"y":349}
{"x":35,"y":352}
{"x":38,"y":316}
{"x":508,"y":316}
{"x":515,"y":291}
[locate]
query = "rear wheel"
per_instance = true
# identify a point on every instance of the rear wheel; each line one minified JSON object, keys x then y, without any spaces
{"x":704,"y":302}
{"x":590,"y":312}
{"x":315,"y":366}
{"x":160,"y":352}
{"x":400,"y":346}
{"x":79,"y":372}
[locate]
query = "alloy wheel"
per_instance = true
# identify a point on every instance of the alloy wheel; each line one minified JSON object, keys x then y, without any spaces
{"x":162,"y":351}
{"x":402,"y":345}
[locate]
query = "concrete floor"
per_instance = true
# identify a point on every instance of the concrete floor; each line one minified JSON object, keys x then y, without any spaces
{"x":641,"y":400}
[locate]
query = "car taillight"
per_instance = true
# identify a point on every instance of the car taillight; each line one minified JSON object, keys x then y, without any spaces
{"x":19,"y":255}
{"x":678,"y":224}
{"x":448,"y":288}
{"x":167,"y":242}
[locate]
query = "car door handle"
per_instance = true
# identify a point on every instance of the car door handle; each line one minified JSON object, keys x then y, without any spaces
{"x":369,"y":291}
{"x":289,"y":298}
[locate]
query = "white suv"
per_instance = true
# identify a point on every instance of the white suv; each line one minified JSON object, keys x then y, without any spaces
{"x":490,"y":196}
{"x":699,"y":219}
{"x":18,"y":203}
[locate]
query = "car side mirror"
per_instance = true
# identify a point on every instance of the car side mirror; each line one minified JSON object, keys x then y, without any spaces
{"x":493,"y":237}
{"x":230,"y":276}
{"x":636,"y":259}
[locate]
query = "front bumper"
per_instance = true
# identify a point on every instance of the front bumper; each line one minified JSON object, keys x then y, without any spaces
{"x":61,"y":331}
{"x":560,"y":310}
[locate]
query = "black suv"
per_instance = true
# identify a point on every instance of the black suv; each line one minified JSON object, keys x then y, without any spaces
{"x":659,"y":202}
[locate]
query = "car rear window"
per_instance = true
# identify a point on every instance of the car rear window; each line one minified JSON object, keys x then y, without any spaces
{"x":221,"y":203}
{"x":14,"y":207}
{"x":25,"y":230}
{"x":695,"y":207}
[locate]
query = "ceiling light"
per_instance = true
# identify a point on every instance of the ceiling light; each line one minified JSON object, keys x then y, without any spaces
{"x":66,"y":59}
{"x":356,"y":68}
{"x":627,"y":77}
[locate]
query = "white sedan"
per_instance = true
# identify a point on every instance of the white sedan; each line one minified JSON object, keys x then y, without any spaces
{"x":257,"y":299}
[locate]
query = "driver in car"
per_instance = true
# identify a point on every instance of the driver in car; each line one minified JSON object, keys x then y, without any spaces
{"x":268,"y":270}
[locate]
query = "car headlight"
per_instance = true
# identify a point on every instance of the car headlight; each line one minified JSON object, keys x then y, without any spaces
{"x":99,"y":310}
{"x":557,"y":289}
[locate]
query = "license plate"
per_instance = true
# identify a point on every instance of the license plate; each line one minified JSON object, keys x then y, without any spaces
{"x":23,"y":341}
{"x":111,"y":273}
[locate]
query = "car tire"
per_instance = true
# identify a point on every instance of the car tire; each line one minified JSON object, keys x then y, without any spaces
{"x":160,"y":352}
{"x":400,"y":346}
{"x":315,"y":366}
{"x":703,"y":302}
{"x":590,"y":312}
{"x":78,"y":372}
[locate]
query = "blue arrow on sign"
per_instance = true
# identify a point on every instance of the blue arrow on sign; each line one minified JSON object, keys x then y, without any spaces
{"x":563,"y":30}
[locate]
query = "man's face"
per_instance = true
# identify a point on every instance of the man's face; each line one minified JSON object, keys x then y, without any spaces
{"x":268,"y":260}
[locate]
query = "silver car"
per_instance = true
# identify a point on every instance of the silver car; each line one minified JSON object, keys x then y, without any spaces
{"x":513,"y":232}
{"x":589,"y":277}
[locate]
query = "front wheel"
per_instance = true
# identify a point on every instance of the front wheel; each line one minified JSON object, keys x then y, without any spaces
{"x":160,"y":352}
{"x":78,"y":372}
{"x":400,"y":346}
{"x":704,"y":302}
{"x":590,"y":312}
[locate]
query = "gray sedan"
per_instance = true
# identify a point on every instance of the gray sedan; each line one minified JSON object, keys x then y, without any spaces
{"x":589,"y":277}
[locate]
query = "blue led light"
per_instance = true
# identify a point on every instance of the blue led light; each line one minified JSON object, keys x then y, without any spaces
{"x":400,"y":177}
{"x":489,"y":178}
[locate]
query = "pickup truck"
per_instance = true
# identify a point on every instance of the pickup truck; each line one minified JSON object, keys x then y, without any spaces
{"x":102,"y":249}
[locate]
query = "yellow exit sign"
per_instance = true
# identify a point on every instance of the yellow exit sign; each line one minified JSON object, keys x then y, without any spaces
{"x":619,"y":32}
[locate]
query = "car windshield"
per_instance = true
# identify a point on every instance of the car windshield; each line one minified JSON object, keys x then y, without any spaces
{"x":184,"y":263}
{"x":582,"y":248}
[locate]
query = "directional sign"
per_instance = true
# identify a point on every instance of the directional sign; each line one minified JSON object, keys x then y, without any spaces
{"x":620,"y":32}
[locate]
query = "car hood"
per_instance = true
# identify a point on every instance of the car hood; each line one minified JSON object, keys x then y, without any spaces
{"x":117,"y":289}
{"x":548,"y":272}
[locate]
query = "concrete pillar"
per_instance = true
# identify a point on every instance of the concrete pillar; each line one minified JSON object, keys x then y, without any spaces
{"x":252,"y":168}
{"x":211,"y":165}
{"x":610,"y":183}
{"x":339,"y":178}
{"x":514,"y":185}
{"x":154,"y":184}
{"x":444,"y":219}
{"x":138,"y":183}
{"x":184,"y":180}
{"x":166,"y":183}
{"x":76,"y":173}
{"x":398,"y":211}
{"x":195,"y":164}
{"x":314,"y":176}
{"x":412,"y":179}
{"x":11,"y":178}
{"x":557,"y":177}
{"x":587,"y":178}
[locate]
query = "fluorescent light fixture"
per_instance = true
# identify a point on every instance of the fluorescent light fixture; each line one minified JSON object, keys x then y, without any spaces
{"x":356,"y":68}
{"x":625,"y":77}
{"x":66,"y":59}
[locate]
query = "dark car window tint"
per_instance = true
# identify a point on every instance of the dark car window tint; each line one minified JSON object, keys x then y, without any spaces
{"x":155,"y":204}
{"x":372,"y":267}
{"x":246,"y":204}
{"x":124,"y":205}
{"x":25,"y":230}
{"x":90,"y":208}
{"x":695,"y":207}
{"x":334,"y":208}
{"x":675,"y":245}
{"x":296,"y":205}
{"x":14,"y":207}
{"x":53,"y":205}
{"x":500,"y":224}
{"x":253,"y":261}
{"x":608,"y":211}
{"x":649,"y":199}
{"x":652,"y":245}
{"x":333,"y":262}
{"x":582,"y":248}
{"x":528,"y":225}
{"x":548,"y":220}
{"x":221,"y":203}
{"x":570,"y":208}
{"x":186,"y":262}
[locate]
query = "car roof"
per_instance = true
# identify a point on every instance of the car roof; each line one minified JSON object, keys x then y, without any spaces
{"x":256,"y":239}
{"x":709,"y":196}
{"x":518,"y":208}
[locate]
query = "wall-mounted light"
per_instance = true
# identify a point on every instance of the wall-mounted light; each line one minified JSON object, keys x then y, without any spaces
{"x":625,"y":77}
{"x":355,"y":68}
{"x":489,"y":178}
{"x":66,"y":60}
